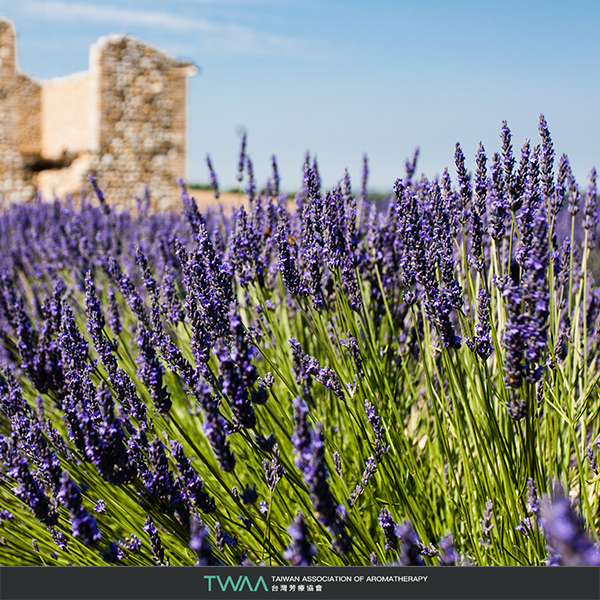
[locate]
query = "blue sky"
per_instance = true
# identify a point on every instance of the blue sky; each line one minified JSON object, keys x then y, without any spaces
{"x":341,"y":77}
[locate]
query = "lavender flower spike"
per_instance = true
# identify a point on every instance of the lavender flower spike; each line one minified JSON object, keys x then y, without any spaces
{"x":30,"y":491}
{"x":242,"y":158}
{"x":486,"y":524}
{"x":482,"y":342}
{"x":532,"y":497}
{"x":83,"y":523}
{"x":566,"y":535}
{"x":151,"y":370}
{"x":158,"y":551}
{"x":199,"y":544}
{"x":214,"y":183}
{"x":97,"y":191}
{"x":310,"y":459}
{"x":300,"y":552}
{"x":412,"y":548}
{"x":215,"y":427}
{"x":388,"y":527}
{"x":381,"y":445}
{"x":191,"y":481}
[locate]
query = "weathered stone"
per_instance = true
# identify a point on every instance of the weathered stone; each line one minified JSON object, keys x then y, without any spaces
{"x":123,"y":120}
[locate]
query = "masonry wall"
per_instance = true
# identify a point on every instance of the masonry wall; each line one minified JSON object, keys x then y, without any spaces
{"x":7,"y":82}
{"x":15,"y":182}
{"x":141,"y":129}
{"x":29,"y":116}
{"x":124,"y":121}
{"x":65,"y":115}
{"x":66,"y":135}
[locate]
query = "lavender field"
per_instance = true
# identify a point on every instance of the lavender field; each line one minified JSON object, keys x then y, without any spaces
{"x":311,"y":380}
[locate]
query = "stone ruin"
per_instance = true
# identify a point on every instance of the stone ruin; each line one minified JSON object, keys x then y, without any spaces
{"x":123,"y":120}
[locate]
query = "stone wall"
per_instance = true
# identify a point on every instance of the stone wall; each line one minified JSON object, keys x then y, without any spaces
{"x":29,"y":115}
{"x":15,"y":182}
{"x":124,"y":121}
{"x":142,"y":125}
{"x":65,"y":110}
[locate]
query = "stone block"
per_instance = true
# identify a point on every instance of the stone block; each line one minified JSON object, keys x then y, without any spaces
{"x":123,"y":120}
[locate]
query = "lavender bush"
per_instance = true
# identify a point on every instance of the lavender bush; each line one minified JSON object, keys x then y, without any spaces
{"x":307,"y":381}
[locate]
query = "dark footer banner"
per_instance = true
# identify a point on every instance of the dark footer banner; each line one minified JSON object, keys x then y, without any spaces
{"x":299,"y":583}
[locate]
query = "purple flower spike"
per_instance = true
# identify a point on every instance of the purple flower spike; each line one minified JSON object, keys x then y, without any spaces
{"x":300,"y":552}
{"x":486,"y":524}
{"x":411,"y":548}
{"x":251,"y":186}
{"x":464,"y":182}
{"x":273,"y":472}
{"x":482,"y":342}
{"x":337,"y":463}
{"x":100,"y":196}
{"x":499,"y":203}
{"x":190,"y":209}
{"x":83,"y":523}
{"x":96,"y":321}
{"x":574,"y":194}
{"x":249,"y":495}
{"x":508,"y":161}
{"x":215,"y":428}
{"x":12,"y":402}
{"x":60,"y":539}
{"x":590,"y":210}
{"x":546,"y":160}
{"x":310,"y":460}
{"x":381,"y":445}
{"x":158,"y":551}
{"x":97,"y":191}
{"x":369,"y":471}
{"x":276,"y":179}
{"x":351,"y":346}
{"x":214,"y":183}
{"x":514,"y":335}
{"x":163,"y":485}
{"x":566,"y":534}
{"x":237,"y":373}
{"x":134,"y":544}
{"x":242,"y":158}
{"x":192,"y":483}
{"x":447,"y":553}
{"x":31,"y":492}
{"x":114,"y":312}
{"x":243,"y":248}
{"x":200,"y":545}
{"x":287,"y":262}
{"x":388,"y":527}
{"x":365,"y":176}
{"x":307,"y":367}
{"x":532,"y":497}
{"x":222,"y":538}
{"x":480,"y":183}
{"x":518,"y":188}
{"x":524,"y":527}
{"x":151,"y":371}
{"x":438,"y":309}
{"x":6,"y":515}
{"x":411,"y":167}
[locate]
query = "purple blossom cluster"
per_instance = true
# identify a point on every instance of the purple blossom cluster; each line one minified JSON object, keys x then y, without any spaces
{"x":402,"y":539}
{"x":117,"y":329}
{"x":309,"y":448}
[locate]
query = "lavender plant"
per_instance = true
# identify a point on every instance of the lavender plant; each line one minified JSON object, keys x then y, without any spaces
{"x":308,"y":380}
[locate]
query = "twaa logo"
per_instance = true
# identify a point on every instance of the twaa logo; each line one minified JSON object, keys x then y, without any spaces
{"x":243,"y":582}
